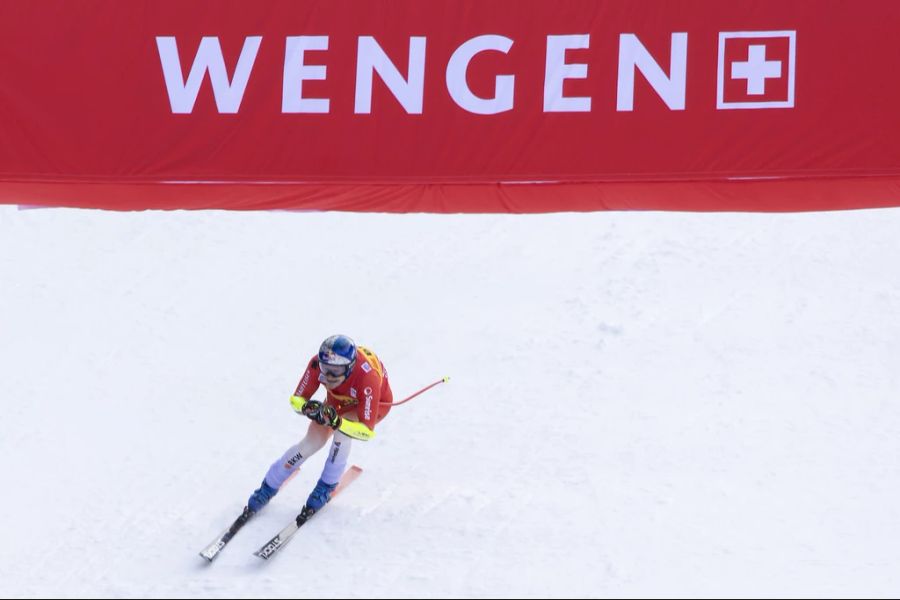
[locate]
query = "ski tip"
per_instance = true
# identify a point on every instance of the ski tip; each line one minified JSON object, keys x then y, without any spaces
{"x":446,"y":379}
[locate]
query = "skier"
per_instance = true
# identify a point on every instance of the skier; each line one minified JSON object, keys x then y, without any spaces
{"x":358,"y":396}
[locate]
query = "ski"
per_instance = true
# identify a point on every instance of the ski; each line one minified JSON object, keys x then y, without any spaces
{"x":284,"y":536}
{"x":213,"y":549}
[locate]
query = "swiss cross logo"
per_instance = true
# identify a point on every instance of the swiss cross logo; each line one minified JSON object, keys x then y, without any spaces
{"x":756,"y":69}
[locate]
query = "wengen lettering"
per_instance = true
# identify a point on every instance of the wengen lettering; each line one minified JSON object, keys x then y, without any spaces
{"x":668,"y":82}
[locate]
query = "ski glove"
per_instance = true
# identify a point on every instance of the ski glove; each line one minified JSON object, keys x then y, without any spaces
{"x":355,"y":430}
{"x":329,"y":417}
{"x":323,"y":414}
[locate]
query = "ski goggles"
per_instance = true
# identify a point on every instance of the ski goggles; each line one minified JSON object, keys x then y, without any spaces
{"x":334,"y":371}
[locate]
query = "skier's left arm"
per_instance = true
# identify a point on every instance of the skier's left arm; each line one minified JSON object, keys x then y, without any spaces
{"x":368,"y":409}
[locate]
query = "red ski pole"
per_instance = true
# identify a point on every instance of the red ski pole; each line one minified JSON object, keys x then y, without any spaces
{"x":422,"y":391}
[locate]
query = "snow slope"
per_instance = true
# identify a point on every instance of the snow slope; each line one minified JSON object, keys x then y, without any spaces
{"x":641,"y":404}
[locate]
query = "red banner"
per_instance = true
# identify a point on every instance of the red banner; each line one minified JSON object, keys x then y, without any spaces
{"x":451,"y":105}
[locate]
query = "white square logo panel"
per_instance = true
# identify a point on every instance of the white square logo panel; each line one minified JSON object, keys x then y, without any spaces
{"x":756,"y":69}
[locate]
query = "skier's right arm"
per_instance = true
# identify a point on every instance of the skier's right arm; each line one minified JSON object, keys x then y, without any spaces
{"x":308,"y":385}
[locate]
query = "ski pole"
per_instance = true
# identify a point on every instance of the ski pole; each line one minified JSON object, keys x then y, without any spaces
{"x":422,"y":391}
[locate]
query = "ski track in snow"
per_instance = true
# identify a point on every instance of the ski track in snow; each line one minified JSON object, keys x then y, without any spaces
{"x":640,"y":404}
